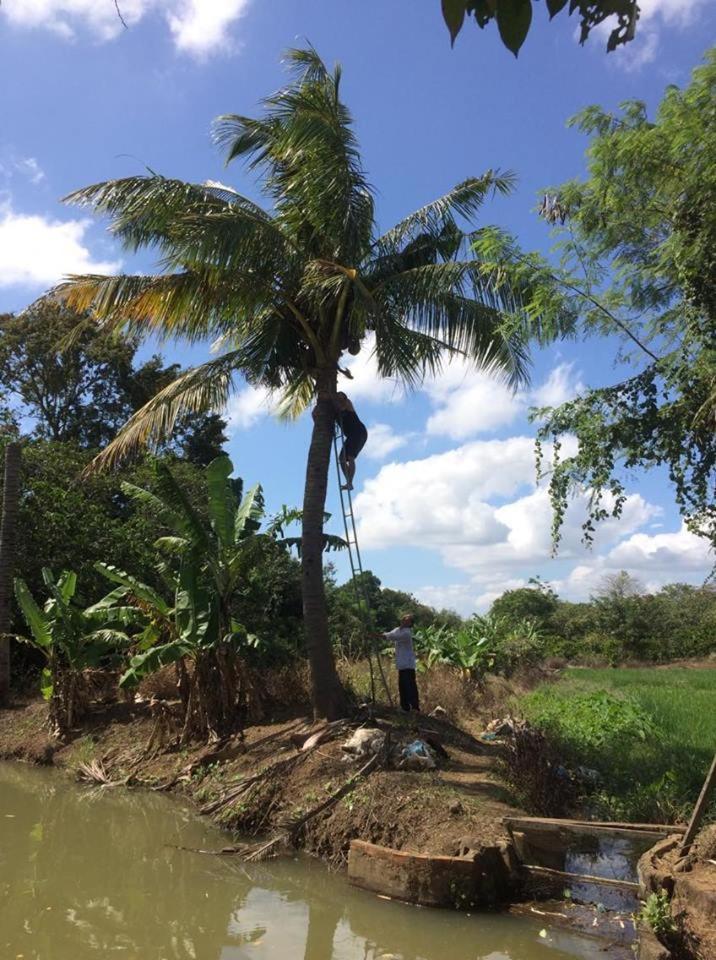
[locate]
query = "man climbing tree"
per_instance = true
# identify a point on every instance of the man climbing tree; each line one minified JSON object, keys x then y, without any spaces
{"x":355,"y":436}
{"x":285,"y":290}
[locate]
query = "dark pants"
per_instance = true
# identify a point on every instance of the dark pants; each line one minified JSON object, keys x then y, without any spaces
{"x":408,"y":689}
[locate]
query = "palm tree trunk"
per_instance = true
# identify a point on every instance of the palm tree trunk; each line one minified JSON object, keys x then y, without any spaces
{"x":328,"y":696}
{"x":8,"y":530}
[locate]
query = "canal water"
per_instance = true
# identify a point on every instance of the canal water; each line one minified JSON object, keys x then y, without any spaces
{"x":98,"y":873}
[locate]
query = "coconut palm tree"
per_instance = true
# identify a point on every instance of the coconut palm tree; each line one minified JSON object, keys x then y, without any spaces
{"x":283,"y":292}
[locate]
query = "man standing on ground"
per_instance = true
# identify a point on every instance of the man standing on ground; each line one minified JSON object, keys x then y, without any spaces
{"x":402,"y":637}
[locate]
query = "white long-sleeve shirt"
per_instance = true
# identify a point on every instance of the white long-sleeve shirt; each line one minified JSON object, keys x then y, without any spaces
{"x":402,"y":637}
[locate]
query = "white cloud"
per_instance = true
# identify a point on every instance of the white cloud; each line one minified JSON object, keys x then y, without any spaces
{"x":203,"y":25}
{"x":443,"y":498}
{"x":36,"y":251}
{"x":248,"y":406}
{"x":562,"y":384}
{"x":30,"y":168}
{"x":661,"y":552}
{"x":12,"y":164}
{"x":470,"y":402}
{"x":654,"y":16}
{"x":197,"y":27}
{"x":465,"y":598}
{"x":680,"y":12}
{"x":654,"y":561}
{"x":367,"y":383}
{"x":479,"y":507}
{"x":383,"y":440}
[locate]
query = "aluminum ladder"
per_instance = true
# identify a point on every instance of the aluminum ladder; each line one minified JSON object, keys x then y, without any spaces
{"x":349,"y":525}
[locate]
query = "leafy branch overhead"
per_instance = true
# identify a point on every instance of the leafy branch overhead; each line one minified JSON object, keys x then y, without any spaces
{"x":514,"y":17}
{"x":636,"y":244}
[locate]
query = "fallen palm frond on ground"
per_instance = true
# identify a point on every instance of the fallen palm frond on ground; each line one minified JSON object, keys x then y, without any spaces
{"x":291,"y":830}
{"x":307,"y":746}
{"x":95,"y":773}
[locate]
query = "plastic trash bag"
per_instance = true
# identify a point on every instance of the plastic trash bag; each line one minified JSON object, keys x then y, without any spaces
{"x":417,"y":756}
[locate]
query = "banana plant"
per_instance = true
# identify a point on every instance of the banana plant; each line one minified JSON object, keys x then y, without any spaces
{"x":72,"y":638}
{"x":203,"y":559}
{"x":461,"y":648}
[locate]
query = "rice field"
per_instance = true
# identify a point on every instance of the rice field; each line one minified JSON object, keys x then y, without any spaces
{"x":650,"y":733}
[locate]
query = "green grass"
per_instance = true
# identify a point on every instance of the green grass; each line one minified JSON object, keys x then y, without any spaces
{"x":651,"y":734}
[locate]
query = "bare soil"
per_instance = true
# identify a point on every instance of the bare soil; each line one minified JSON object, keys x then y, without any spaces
{"x":423,"y":811}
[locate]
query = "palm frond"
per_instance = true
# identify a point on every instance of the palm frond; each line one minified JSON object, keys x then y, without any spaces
{"x":306,"y":147}
{"x":296,"y":397}
{"x":199,"y":390}
{"x":146,"y":210}
{"x":188,"y":522}
{"x":456,"y":306}
{"x":191,"y":305}
{"x":408,"y":354}
{"x":133,"y":585}
{"x":250,"y":513}
{"x":463,"y":200}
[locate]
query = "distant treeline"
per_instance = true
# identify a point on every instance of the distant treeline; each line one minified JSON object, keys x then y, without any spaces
{"x":620,"y":622}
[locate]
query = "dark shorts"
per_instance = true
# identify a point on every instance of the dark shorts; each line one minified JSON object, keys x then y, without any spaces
{"x":355,"y":443}
{"x":355,"y":434}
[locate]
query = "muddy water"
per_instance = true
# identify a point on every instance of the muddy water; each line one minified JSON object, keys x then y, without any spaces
{"x":86,"y":875}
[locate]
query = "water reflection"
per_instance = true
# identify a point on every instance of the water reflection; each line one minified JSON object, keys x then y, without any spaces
{"x":86,"y":876}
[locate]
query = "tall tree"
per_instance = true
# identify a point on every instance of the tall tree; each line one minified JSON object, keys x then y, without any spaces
{"x":286,"y":291}
{"x":637,"y":246}
{"x":77,"y":383}
{"x":8,"y":535}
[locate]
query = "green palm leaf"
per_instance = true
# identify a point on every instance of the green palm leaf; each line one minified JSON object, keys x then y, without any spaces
{"x":250,"y":513}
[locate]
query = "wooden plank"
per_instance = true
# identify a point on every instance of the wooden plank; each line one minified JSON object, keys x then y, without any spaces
{"x":579,"y":877}
{"x":565,"y":830}
{"x":656,"y":830}
{"x":699,"y":809}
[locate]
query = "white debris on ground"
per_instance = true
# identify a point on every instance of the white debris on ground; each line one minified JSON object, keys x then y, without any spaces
{"x":364,"y":742}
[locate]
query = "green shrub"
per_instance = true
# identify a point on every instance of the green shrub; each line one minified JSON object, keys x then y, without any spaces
{"x":589,"y":721}
{"x":482,"y":645}
{"x":656,"y":914}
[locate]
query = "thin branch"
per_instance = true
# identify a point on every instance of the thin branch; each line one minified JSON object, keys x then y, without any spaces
{"x":600,"y":306}
{"x":119,"y":14}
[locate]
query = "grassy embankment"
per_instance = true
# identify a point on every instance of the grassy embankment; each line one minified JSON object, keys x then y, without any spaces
{"x":650,"y":733}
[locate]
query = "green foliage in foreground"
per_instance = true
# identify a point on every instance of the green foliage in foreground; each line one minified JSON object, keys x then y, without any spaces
{"x":636,"y":261}
{"x":514,"y":17}
{"x":656,"y":914}
{"x":649,"y":733}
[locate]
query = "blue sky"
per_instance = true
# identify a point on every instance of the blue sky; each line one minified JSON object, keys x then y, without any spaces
{"x":446,"y":495}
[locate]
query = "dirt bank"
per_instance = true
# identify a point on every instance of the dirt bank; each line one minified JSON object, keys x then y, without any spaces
{"x":426,"y":811}
{"x":690,"y":882}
